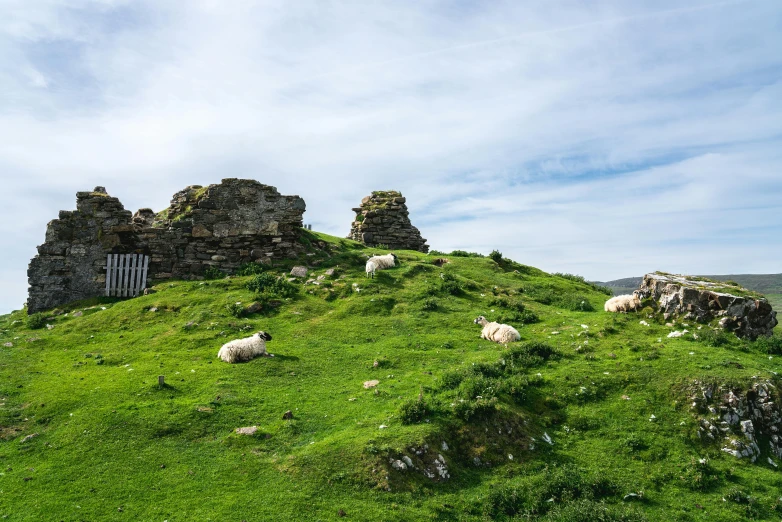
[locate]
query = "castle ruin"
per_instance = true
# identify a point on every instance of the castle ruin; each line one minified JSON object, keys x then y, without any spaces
{"x":223,"y":226}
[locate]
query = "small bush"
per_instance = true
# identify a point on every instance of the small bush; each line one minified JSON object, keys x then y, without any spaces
{"x":452,"y":379}
{"x":462,"y":253}
{"x":413,"y":411}
{"x":477,"y":387}
{"x":496,"y":256}
{"x":450,"y":285}
{"x":468,"y":410}
{"x":714,"y":338}
{"x":769,"y":345}
{"x":698,"y":475}
{"x":36,"y":321}
{"x":508,"y":303}
{"x":271,"y":286}
{"x":249,"y":269}
{"x":429,"y":304}
{"x":575,"y":303}
{"x":235,"y":309}
{"x":213,"y":273}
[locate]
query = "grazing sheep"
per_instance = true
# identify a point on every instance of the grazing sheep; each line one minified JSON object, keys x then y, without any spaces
{"x":624,"y":303}
{"x":499,"y":333}
{"x":241,"y":350}
{"x":380,"y":263}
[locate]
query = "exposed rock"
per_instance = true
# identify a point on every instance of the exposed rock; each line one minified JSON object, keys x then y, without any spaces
{"x":247,"y":430}
{"x":299,"y":271}
{"x":371,"y":384}
{"x":29,"y":437}
{"x":221,"y":226}
{"x":382,"y":219}
{"x":739,"y":419}
{"x":253,"y":308}
{"x":702,"y":300}
{"x":288,"y":415}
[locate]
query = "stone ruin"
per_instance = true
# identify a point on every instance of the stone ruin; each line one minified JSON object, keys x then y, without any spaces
{"x":743,"y":421}
{"x":703,"y":300}
{"x":383,"y":219}
{"x":222,"y":226}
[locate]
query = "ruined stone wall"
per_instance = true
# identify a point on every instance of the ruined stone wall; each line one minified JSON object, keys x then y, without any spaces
{"x":703,"y":300}
{"x":223,"y":226}
{"x":383,"y":219}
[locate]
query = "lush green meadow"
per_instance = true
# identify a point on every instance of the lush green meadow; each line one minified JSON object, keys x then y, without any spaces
{"x":557,"y":426}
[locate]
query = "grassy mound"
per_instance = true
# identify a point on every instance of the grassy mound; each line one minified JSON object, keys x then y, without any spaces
{"x":583,"y":419}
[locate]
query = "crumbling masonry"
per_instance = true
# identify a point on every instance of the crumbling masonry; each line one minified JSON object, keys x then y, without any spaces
{"x":222,"y":226}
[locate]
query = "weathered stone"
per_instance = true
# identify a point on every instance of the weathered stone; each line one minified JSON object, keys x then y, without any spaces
{"x":253,"y":308}
{"x":248,"y":219}
{"x":299,"y":271}
{"x":382,"y":219}
{"x":247,"y":430}
{"x":703,"y":300}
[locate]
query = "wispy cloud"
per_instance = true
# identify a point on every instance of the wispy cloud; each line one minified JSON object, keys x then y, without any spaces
{"x":604,"y":139}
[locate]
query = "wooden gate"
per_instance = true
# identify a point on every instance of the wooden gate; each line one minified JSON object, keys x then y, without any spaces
{"x":126,"y":274}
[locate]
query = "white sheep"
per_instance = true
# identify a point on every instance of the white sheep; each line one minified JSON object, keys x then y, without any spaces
{"x":623,"y":303}
{"x":241,"y":350}
{"x":380,"y":263}
{"x":499,"y":333}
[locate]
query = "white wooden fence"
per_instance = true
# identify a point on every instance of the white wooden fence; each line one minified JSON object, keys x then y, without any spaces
{"x":126,"y":274}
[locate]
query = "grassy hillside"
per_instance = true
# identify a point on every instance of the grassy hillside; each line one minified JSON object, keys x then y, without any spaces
{"x":587,"y":408}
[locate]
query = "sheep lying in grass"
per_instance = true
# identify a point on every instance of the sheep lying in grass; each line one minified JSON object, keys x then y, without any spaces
{"x":499,"y":333}
{"x":380,"y":263}
{"x":241,"y":350}
{"x":624,"y":303}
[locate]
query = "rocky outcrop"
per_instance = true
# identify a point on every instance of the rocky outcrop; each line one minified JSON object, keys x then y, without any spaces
{"x":222,"y":226}
{"x":383,"y":219}
{"x":702,"y":300}
{"x":743,"y":422}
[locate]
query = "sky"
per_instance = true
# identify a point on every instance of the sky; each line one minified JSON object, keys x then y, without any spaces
{"x":602,"y":138}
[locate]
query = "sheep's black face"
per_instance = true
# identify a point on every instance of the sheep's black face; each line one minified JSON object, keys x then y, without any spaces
{"x":264,"y":336}
{"x":479,"y":319}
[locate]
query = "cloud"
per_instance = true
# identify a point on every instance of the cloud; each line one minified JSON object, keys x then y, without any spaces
{"x":605,"y":140}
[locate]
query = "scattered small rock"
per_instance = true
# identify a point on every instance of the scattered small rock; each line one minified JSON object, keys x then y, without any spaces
{"x":77,"y":313}
{"x":382,"y":427}
{"x":371,"y":384}
{"x":148,"y":291}
{"x":625,"y":398}
{"x":342,"y":513}
{"x":288,"y":415}
{"x":153,"y":309}
{"x":29,"y":437}
{"x":248,"y":430}
{"x":643,"y":323}
{"x":299,"y":271}
{"x":8,"y":345}
{"x":253,"y":308}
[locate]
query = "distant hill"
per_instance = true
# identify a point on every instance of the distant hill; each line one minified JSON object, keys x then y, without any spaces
{"x":768,"y":284}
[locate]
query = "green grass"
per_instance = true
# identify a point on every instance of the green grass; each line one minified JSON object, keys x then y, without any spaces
{"x":112,"y":445}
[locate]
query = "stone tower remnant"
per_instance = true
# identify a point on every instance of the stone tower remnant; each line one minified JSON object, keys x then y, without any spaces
{"x":383,"y":219}
{"x":223,"y":226}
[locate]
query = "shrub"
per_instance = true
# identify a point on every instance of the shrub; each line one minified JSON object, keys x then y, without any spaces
{"x":496,"y":256}
{"x":510,"y":304}
{"x":249,"y":269}
{"x":271,"y":286}
{"x":452,"y":379}
{"x":413,"y":411}
{"x":468,"y":410}
{"x":575,"y":303}
{"x":477,"y":387}
{"x":698,"y":475}
{"x":235,"y":309}
{"x":213,"y":273}
{"x":450,"y":285}
{"x":462,"y":253}
{"x":429,"y":304}
{"x":36,"y":321}
{"x":770,"y":345}
{"x":714,"y":338}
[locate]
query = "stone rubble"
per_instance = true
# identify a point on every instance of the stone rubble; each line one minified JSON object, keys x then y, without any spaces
{"x":383,"y":219}
{"x":739,"y":420}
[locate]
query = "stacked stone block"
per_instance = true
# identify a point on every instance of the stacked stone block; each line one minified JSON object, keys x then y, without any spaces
{"x":383,"y":219}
